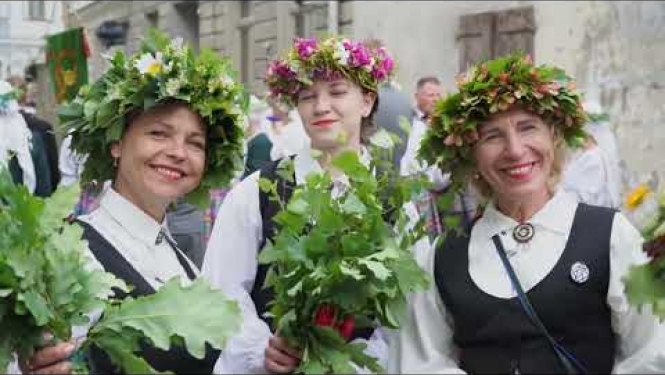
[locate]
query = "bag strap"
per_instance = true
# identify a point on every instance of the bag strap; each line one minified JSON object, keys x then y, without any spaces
{"x":567,"y":359}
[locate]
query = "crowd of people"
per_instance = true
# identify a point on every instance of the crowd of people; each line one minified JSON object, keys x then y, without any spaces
{"x":532,"y":284}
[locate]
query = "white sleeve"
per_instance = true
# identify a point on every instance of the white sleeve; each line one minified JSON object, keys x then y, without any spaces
{"x":68,"y":163}
{"x":409,"y":164}
{"x":424,"y":343}
{"x":230,"y":264}
{"x":586,"y":177}
{"x":640,"y":335}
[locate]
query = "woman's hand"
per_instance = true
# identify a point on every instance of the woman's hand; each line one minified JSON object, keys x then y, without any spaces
{"x":49,"y":359}
{"x":280,"y":357}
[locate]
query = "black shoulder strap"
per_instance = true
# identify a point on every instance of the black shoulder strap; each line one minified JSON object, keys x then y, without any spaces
{"x":114,"y":263}
{"x":268,"y":208}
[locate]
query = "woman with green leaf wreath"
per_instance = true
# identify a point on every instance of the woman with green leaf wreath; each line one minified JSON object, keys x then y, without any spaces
{"x":537,"y":285}
{"x":333,"y":84}
{"x":161,"y":124}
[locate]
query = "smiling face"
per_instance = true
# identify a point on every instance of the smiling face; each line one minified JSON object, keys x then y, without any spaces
{"x":161,"y":156}
{"x":515,"y":155}
{"x":332,"y":113}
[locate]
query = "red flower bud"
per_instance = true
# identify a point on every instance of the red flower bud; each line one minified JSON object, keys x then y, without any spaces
{"x":347,"y":326}
{"x":325,"y":316}
{"x":655,"y":248}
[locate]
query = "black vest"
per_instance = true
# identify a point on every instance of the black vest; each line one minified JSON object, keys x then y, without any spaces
{"x":495,"y":335}
{"x":262,"y":296}
{"x":177,"y":359}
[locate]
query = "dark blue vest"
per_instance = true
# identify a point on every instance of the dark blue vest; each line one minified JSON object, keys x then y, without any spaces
{"x":494,"y":335}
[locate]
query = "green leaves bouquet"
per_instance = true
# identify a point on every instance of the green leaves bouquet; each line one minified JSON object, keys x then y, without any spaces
{"x":645,"y":284}
{"x":47,"y":283}
{"x":339,"y":261}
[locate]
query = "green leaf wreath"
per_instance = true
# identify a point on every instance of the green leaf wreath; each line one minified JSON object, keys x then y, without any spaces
{"x":339,"y":262}
{"x":47,"y":284}
{"x":162,"y":69}
{"x":492,"y":87}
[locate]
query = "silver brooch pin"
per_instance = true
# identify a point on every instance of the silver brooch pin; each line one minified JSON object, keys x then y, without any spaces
{"x":579,"y":272}
{"x":523,"y":233}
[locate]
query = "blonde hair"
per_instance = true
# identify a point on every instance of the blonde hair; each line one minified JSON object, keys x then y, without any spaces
{"x":484,"y":189}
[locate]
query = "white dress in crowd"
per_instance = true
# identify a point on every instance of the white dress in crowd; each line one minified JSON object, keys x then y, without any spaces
{"x":231,"y":264}
{"x":15,"y":139}
{"x":289,"y":140}
{"x":425,"y":343}
{"x":69,"y":163}
{"x":410,"y":165}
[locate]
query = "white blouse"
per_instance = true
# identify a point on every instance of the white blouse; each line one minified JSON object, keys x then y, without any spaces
{"x":134,"y":234}
{"x":16,"y":139}
{"x":424,"y":345}
{"x":231,"y":264}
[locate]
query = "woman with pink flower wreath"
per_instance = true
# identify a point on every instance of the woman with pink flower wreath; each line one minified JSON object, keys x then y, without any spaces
{"x":333,"y":84}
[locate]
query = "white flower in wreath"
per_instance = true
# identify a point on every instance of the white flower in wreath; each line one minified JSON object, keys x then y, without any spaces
{"x":227,"y":81}
{"x":115,"y":93}
{"x":341,"y":54}
{"x":173,"y":86}
{"x":150,"y":65}
{"x":295,"y":66}
{"x":176,"y":44}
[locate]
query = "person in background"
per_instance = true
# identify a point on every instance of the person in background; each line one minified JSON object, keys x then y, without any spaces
{"x":464,"y":208}
{"x":16,"y":140}
{"x":594,"y":173}
{"x":285,"y":131}
{"x":428,"y":91}
{"x":259,"y":146}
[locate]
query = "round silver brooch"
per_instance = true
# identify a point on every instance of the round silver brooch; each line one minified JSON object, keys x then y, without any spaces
{"x":523,"y":233}
{"x":579,"y":272}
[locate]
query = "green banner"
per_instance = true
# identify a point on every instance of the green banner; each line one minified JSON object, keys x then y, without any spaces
{"x":66,"y":55}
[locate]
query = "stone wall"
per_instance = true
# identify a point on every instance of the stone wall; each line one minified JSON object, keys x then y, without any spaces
{"x":615,"y":50}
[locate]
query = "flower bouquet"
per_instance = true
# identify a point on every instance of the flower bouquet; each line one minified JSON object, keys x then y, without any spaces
{"x":47,"y":284}
{"x":645,"y":284}
{"x":341,"y":260}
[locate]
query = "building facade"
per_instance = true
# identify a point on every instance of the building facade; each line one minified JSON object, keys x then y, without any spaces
{"x":615,"y":50}
{"x":23,"y":25}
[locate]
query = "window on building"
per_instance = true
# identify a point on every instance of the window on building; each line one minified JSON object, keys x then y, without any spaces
{"x":152,"y":18}
{"x":37,"y":10}
{"x":490,"y":35}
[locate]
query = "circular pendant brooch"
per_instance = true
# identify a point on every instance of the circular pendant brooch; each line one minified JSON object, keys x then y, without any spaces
{"x":523,"y":233}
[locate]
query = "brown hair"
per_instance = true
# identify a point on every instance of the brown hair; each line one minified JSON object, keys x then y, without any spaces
{"x":367,"y":125}
{"x":425,"y":80}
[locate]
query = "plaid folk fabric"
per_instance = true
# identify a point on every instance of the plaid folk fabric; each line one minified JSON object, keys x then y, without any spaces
{"x":216,"y":198}
{"x":465,"y":208}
